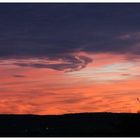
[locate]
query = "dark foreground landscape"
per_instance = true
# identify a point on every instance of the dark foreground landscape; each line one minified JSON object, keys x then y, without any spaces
{"x":71,"y":125}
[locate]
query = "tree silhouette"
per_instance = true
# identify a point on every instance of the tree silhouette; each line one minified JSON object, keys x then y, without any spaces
{"x":138,"y":102}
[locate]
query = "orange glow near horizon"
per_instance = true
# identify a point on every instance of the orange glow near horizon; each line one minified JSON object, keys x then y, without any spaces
{"x":108,"y":84}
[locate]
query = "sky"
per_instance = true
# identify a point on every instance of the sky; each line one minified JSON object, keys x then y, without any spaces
{"x":59,"y":58}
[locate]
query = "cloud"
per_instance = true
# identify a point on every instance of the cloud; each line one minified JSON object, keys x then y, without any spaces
{"x":68,"y":63}
{"x":130,"y":36}
{"x":19,"y":76}
{"x":126,"y":74}
{"x":58,"y":31}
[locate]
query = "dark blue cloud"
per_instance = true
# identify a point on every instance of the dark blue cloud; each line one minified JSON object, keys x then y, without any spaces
{"x":59,"y":30}
{"x":70,"y":63}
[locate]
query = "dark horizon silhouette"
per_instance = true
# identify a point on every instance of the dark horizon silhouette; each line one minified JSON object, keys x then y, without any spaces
{"x":98,"y":124}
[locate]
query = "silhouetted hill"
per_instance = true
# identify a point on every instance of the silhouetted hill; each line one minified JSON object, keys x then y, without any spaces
{"x":71,"y":125}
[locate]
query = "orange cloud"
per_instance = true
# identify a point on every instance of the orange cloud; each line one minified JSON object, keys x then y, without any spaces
{"x":106,"y":86}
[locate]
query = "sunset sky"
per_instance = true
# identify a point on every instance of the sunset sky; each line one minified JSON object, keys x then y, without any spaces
{"x":69,"y":58}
